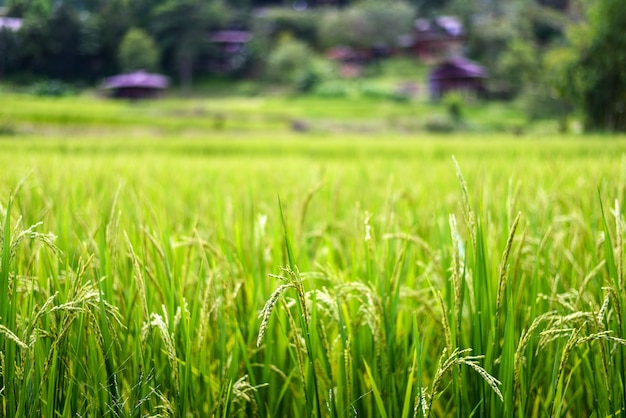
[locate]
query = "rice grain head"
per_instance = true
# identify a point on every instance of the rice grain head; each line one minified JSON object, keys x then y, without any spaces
{"x":158,"y":322}
{"x":468,"y":213}
{"x":266,"y":312}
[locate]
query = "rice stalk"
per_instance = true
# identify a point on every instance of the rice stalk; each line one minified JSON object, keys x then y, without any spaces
{"x":456,"y":358}
{"x":139,"y":277}
{"x":307,"y":200}
{"x":456,"y":267}
{"x":504,"y":265}
{"x":569,"y":347}
{"x":444,"y":321}
{"x":12,"y":337}
{"x":266,"y":312}
{"x":299,"y":346}
{"x":524,"y":340}
{"x":206,"y":311}
{"x":619,"y":243}
{"x":472,"y":362}
{"x":468,"y":213}
{"x":421,"y":404}
{"x":347,"y":364}
{"x":161,"y":324}
{"x":48,"y":239}
{"x":370,"y":307}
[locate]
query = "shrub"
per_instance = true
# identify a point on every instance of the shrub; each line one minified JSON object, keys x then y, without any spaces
{"x":454,"y":103}
{"x":331,"y":90}
{"x":272,"y":23}
{"x":7,"y":128}
{"x":248,"y":88}
{"x":439,"y":124}
{"x":138,"y":52}
{"x":374,"y":92}
{"x":291,"y":62}
{"x":369,"y":24}
{"x":51,"y":88}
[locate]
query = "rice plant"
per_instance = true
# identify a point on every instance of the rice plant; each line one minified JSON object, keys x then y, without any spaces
{"x":388,"y":280}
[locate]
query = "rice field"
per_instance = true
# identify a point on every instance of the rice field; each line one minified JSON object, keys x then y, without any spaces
{"x":227,"y":274}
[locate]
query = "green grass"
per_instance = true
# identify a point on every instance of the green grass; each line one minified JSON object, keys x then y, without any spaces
{"x":203,"y":272}
{"x":361,"y":112}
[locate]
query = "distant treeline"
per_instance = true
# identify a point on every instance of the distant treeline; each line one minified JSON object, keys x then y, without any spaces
{"x":80,"y":39}
{"x":560,"y":56}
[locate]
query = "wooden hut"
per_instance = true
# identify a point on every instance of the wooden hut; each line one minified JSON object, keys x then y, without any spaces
{"x":135,"y":85}
{"x":457,"y":74}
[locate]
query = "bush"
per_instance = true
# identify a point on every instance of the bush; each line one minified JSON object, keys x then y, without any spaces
{"x":454,"y":103}
{"x":51,"y":88}
{"x":517,"y":66}
{"x":138,"y":52}
{"x":374,"y":92}
{"x":439,"y":124}
{"x":331,"y":90}
{"x":248,"y":88}
{"x":366,"y":25}
{"x":541,"y":103}
{"x":292,"y":62}
{"x":273,"y":23}
{"x":7,"y":128}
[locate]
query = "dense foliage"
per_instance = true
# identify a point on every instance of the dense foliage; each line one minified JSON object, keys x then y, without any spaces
{"x":597,"y":67}
{"x":519,"y":42}
{"x":138,"y":52}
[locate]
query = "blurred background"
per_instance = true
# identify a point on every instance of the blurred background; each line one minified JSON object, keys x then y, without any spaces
{"x":557,"y":60}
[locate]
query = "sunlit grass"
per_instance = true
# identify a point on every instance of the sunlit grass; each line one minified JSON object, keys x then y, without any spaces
{"x":360,"y":114}
{"x":278,"y":274}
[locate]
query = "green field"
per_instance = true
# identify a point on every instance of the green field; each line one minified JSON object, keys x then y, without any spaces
{"x":199,"y":258}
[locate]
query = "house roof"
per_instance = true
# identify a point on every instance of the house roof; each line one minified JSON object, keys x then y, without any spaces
{"x":458,"y":67}
{"x":442,"y":26}
{"x":136,"y":79}
{"x":451,"y":25}
{"x":10,"y":23}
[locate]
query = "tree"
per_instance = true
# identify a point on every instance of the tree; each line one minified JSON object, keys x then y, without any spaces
{"x":517,"y":66}
{"x":367,"y":24}
{"x":114,"y":21}
{"x":141,"y":12}
{"x":182,"y":29}
{"x":595,"y":69}
{"x":138,"y":52}
{"x":291,"y":61}
{"x":429,"y":7}
{"x":63,"y":55}
{"x":9,"y":51}
{"x":27,"y":8}
{"x":63,"y":45}
{"x":548,"y":94}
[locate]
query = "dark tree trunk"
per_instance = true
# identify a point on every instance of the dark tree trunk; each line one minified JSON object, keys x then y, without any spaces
{"x":185,"y":69}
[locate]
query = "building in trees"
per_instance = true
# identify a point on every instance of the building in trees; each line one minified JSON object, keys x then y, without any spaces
{"x":457,"y":74}
{"x":10,"y":23}
{"x":232,"y":50}
{"x":438,"y":39}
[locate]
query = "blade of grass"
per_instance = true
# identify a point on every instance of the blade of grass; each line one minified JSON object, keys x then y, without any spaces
{"x":379,"y":400}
